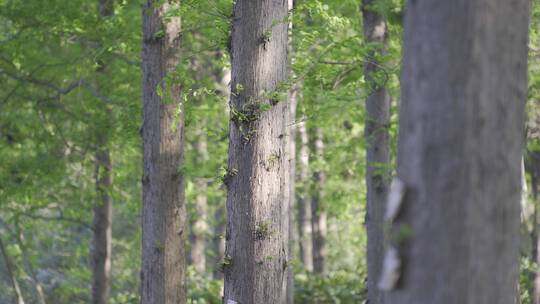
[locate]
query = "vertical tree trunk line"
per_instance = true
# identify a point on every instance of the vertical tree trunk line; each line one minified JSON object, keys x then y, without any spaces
{"x":304,"y":203}
{"x":200,"y":225}
{"x":464,"y":87}
{"x":219,"y":240}
{"x":256,"y":258}
{"x":10,"y":272}
{"x":164,"y":212}
{"x":102,"y":222}
{"x":291,"y":124}
{"x":377,"y":146}
{"x":40,"y":295}
{"x":318,"y":212}
{"x":292,"y":99}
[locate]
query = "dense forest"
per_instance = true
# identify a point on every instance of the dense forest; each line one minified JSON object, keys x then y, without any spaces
{"x":270,"y":151}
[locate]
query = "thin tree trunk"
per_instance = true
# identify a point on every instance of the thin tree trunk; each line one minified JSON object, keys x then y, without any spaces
{"x":164,"y":212}
{"x":291,"y":182}
{"x":318,"y":212}
{"x":9,"y":267}
{"x":255,"y":264}
{"x":200,"y":225}
{"x":304,"y":205}
{"x":292,"y":188}
{"x":219,"y":240}
{"x":377,"y":147}
{"x":464,"y":87}
{"x":102,"y":224}
{"x":28,"y":265}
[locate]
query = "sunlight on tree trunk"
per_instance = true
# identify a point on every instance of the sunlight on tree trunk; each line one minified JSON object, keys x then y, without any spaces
{"x":164,"y":211}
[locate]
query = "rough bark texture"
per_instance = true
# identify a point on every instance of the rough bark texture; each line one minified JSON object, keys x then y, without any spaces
{"x":464,"y":87}
{"x":318,"y":212}
{"x":164,"y":213}
{"x":255,"y":264}
{"x":102,"y":222}
{"x":377,"y":147}
{"x":200,"y":225}
{"x":304,"y":205}
{"x":10,"y":272}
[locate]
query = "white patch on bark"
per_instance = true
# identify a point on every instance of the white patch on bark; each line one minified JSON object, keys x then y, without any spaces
{"x":391,"y":270}
{"x":395,"y":199}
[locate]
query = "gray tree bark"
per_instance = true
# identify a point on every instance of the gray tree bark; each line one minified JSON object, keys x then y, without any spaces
{"x":102,"y":222}
{"x":304,"y":204}
{"x":464,"y":87}
{"x":318,"y":212}
{"x":256,"y":258}
{"x":377,"y":146}
{"x":291,"y":157}
{"x":200,"y":225}
{"x":164,"y":213}
{"x":291,"y":183}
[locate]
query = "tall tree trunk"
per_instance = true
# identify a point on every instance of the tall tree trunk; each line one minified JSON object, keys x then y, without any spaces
{"x":102,"y":224}
{"x":464,"y":87}
{"x":164,"y":212}
{"x":377,"y":146}
{"x":200,"y":225}
{"x":219,"y":240}
{"x":255,"y":264}
{"x":318,"y":212}
{"x":304,"y":204}
{"x":291,"y":182}
{"x":10,"y":272}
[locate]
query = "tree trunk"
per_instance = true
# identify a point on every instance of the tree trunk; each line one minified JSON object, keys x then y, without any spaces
{"x":291,"y":157}
{"x":255,"y":264}
{"x":102,"y":224}
{"x":304,"y":206}
{"x":219,"y":240}
{"x":40,"y":295}
{"x":292,"y":188}
{"x":200,"y":225}
{"x":377,"y":147}
{"x":318,"y":212}
{"x":9,"y":267}
{"x":164,"y":212}
{"x":464,"y":87}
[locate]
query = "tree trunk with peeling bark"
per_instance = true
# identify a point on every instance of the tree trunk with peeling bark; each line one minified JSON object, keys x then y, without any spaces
{"x":464,"y":87}
{"x":164,"y":212}
{"x":102,"y":222}
{"x":377,"y":146}
{"x":256,"y":258}
{"x":318,"y":212}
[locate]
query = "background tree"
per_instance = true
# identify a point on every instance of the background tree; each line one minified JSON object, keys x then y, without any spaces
{"x":376,"y":127}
